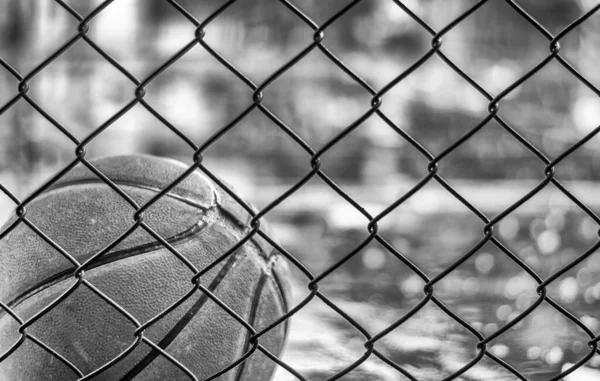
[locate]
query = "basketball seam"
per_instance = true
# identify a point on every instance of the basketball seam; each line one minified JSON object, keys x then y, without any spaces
{"x":283,"y":301}
{"x":268,"y":259}
{"x":183,"y":322}
{"x":110,"y":257}
{"x":266,"y":256}
{"x":175,"y":196}
{"x":251,"y":320}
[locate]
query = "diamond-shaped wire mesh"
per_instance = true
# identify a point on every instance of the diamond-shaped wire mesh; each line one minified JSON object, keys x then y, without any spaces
{"x":312,"y":161}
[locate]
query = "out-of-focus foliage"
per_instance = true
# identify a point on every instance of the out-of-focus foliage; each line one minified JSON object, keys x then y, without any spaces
{"x":376,"y":39}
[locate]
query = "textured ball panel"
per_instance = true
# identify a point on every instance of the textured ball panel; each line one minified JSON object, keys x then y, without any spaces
{"x":150,"y":171}
{"x":13,"y":370}
{"x":69,"y":329}
{"x":83,"y":220}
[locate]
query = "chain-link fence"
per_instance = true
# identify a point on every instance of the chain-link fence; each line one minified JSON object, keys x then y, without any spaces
{"x":311,"y":166}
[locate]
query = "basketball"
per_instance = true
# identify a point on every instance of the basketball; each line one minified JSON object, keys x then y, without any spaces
{"x":80,"y":324}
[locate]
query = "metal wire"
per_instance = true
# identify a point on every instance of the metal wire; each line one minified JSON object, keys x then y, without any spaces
{"x":314,"y":157}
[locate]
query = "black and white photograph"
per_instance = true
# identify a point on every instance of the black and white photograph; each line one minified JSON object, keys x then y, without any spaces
{"x":299,"y":190}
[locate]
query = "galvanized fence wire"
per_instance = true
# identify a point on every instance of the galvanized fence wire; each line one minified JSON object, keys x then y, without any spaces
{"x":314,"y":158}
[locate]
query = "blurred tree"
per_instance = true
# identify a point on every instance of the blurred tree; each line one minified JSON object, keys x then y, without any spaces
{"x":493,"y":35}
{"x":16,"y":35}
{"x":499,"y":32}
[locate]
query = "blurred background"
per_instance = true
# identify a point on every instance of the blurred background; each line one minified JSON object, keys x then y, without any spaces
{"x":378,"y":41}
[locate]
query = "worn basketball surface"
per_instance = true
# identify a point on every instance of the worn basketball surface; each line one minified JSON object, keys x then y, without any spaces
{"x":83,"y":215}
